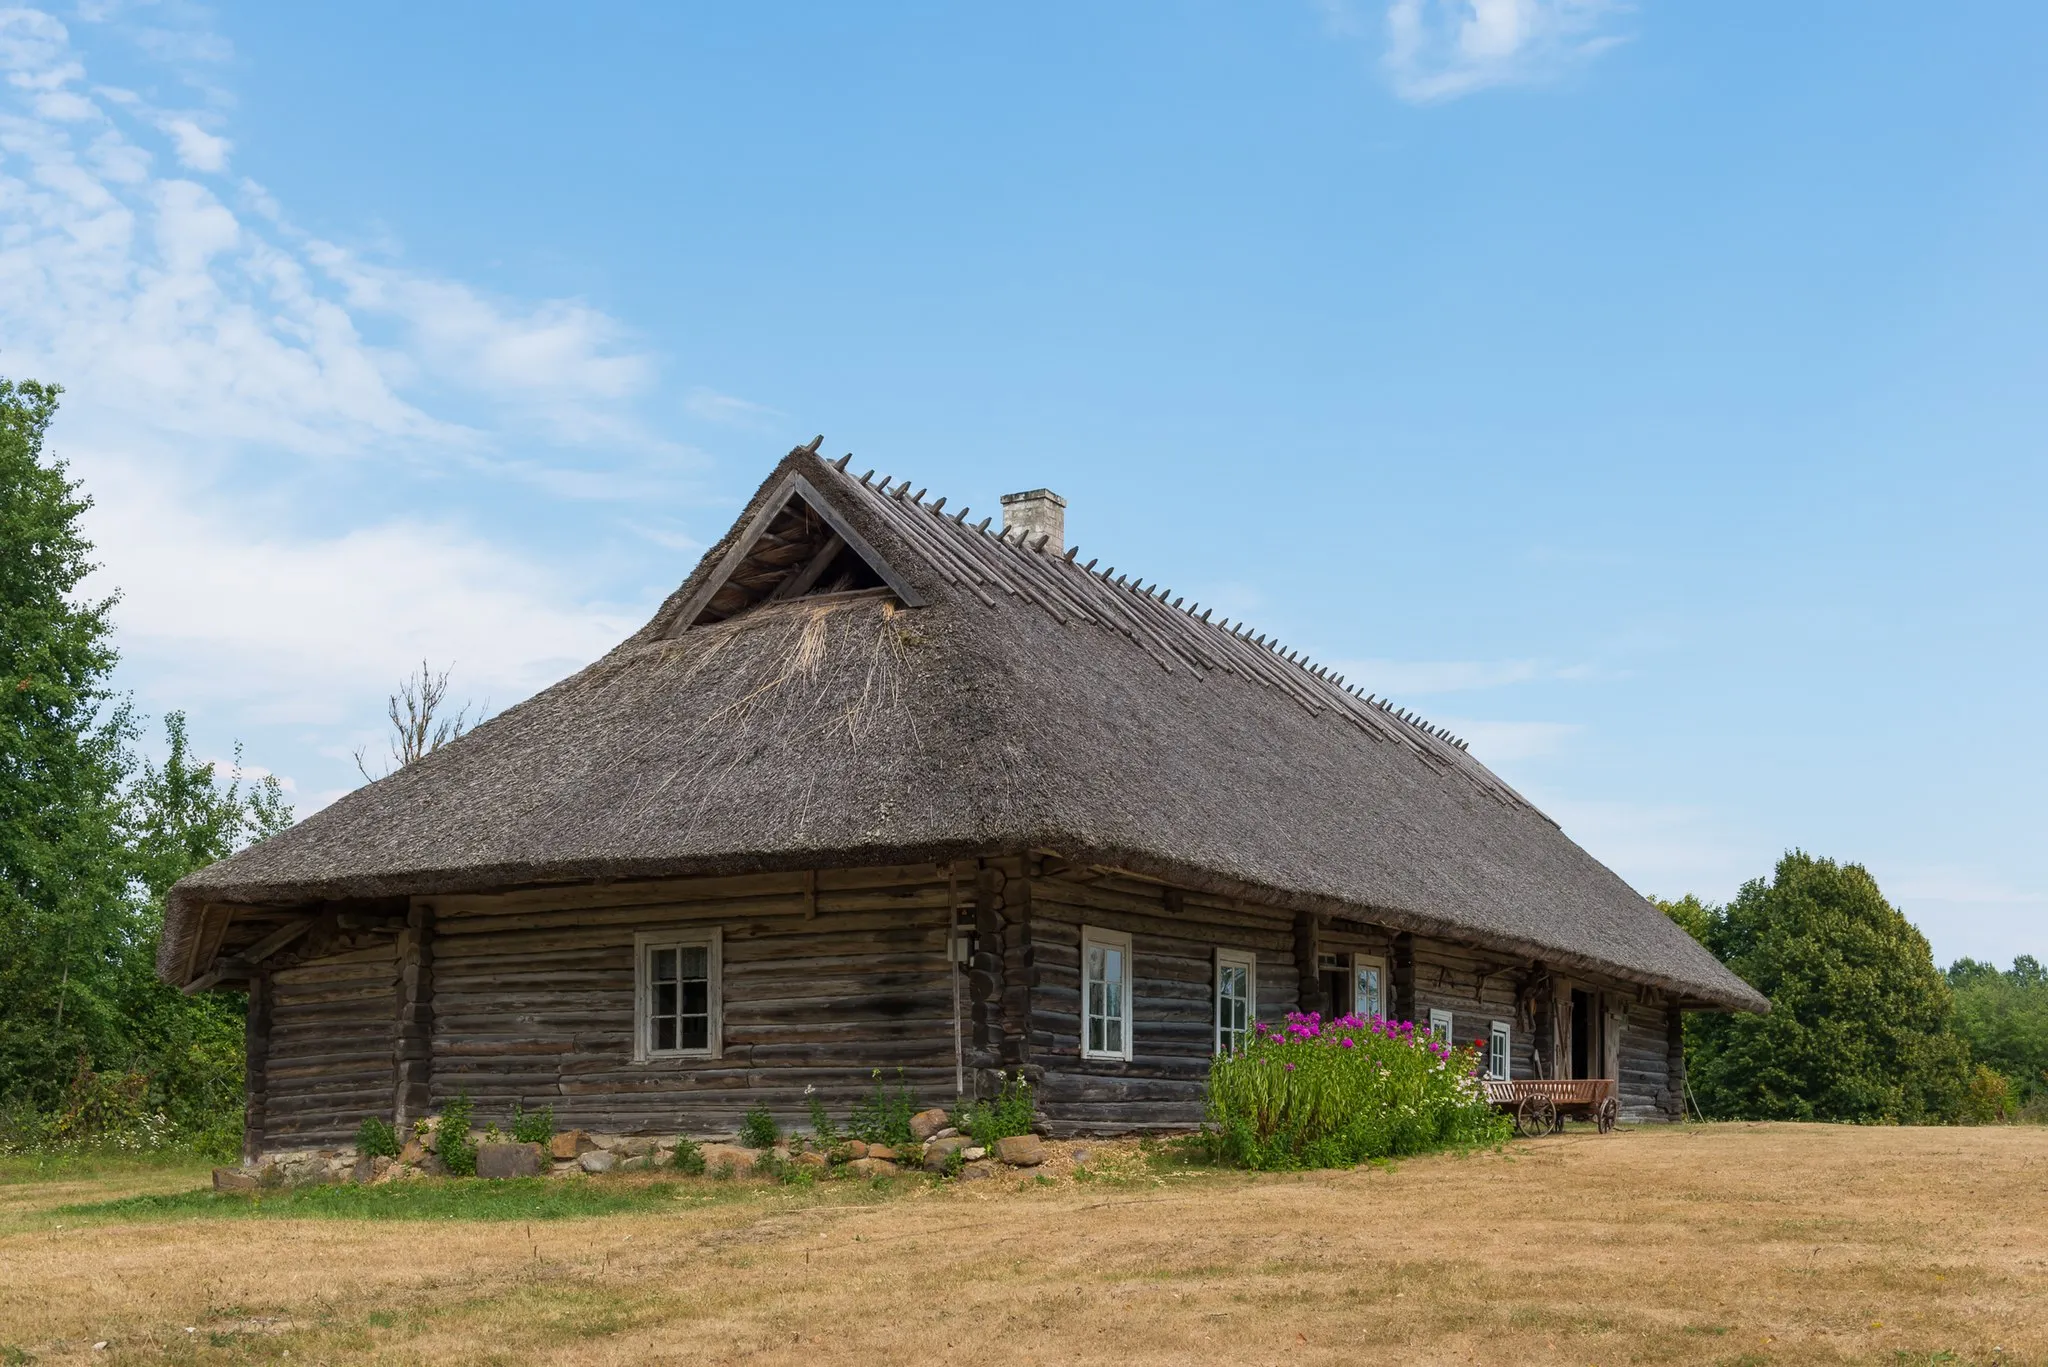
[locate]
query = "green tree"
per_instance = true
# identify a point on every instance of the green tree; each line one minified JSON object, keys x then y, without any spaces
{"x":63,"y":758}
{"x":1693,"y":915}
{"x":2004,"y":1016}
{"x":89,"y":846}
{"x":1862,"y":1023}
{"x":183,"y":816}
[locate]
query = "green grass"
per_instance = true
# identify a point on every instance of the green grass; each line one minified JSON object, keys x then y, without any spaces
{"x":526,"y":1198}
{"x":17,"y":1169}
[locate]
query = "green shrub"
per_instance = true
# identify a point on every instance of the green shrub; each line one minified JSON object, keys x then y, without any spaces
{"x":532,"y":1127}
{"x":883,"y":1115}
{"x":759,"y":1130}
{"x":451,"y":1137}
{"x":1316,"y":1094}
{"x":688,"y":1157}
{"x":1008,"y":1113}
{"x":1991,"y":1099}
{"x":376,"y":1139}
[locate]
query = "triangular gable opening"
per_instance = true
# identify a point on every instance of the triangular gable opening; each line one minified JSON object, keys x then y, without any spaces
{"x":797,"y":546}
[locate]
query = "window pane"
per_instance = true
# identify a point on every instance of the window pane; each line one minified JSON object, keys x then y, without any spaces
{"x":1369,"y":992}
{"x":678,"y":998}
{"x":1114,"y":1029}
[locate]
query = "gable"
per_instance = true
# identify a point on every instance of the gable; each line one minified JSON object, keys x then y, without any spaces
{"x":797,"y":545}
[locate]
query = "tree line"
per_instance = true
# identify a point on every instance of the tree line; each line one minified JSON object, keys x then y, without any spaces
{"x":92,"y":1045}
{"x":1863,"y":1026}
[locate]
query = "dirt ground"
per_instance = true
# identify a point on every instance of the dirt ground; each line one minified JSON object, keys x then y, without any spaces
{"x":1724,"y":1243}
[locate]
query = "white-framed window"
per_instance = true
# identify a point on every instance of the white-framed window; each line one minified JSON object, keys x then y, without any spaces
{"x":1237,"y":975}
{"x":1440,"y":1024}
{"x":677,"y":1004}
{"x":1105,"y":994}
{"x":1369,"y":985}
{"x":1499,"y":1058}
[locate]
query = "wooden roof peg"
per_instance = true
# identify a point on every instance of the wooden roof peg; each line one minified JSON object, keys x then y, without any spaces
{"x":1072,"y":551}
{"x":866,"y":477}
{"x":841,"y":466}
{"x":1043,"y":538}
{"x":1090,"y":566}
{"x":1205,"y":615}
{"x":816,"y":442}
{"x":960,"y":518}
{"x":1178,"y":601}
{"x":918,"y":497}
{"x":938,"y":504}
{"x":983,"y":528}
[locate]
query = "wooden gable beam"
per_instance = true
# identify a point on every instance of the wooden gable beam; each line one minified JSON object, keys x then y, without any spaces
{"x":794,"y":486}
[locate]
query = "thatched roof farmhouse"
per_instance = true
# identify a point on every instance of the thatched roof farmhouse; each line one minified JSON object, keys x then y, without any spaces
{"x":881,"y":786}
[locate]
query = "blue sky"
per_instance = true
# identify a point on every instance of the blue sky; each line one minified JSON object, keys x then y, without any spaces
{"x":1653,"y":394}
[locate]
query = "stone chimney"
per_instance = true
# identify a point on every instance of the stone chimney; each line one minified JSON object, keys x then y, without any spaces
{"x":1038,"y":512}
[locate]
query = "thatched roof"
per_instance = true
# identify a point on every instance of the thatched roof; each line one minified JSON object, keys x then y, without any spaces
{"x":854,"y":675}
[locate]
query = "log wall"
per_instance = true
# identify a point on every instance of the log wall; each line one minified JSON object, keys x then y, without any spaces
{"x":1647,"y":1093}
{"x":327,"y":1062}
{"x":1172,"y":1003}
{"x":827,"y":977}
{"x":528,"y":997}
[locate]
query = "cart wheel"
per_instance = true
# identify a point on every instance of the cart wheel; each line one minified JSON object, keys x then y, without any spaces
{"x":1535,"y":1115}
{"x":1607,"y":1115}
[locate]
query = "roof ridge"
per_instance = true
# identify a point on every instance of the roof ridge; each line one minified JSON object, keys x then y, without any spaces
{"x":1023,"y":547}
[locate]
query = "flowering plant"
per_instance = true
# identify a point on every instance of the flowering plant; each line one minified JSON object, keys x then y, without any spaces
{"x":1315,"y":1093}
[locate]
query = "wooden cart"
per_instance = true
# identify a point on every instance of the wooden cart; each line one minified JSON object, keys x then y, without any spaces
{"x":1540,"y":1105}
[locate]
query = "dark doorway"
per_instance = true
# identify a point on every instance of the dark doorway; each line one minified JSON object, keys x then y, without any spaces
{"x":1336,"y":986}
{"x":1582,"y":1034}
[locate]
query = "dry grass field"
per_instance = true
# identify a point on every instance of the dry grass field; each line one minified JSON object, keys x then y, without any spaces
{"x":1726,"y":1243}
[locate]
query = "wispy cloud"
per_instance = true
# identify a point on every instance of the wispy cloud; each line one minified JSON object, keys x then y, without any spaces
{"x":218,"y":359}
{"x":192,"y":302}
{"x":713,"y":406}
{"x":1434,"y":50}
{"x":1414,"y":678}
{"x":1499,"y":743}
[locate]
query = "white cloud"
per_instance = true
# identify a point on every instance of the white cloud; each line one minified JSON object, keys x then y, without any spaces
{"x":713,"y":406}
{"x":218,"y":360}
{"x":1498,"y":743}
{"x":283,"y":628}
{"x":197,"y":148}
{"x":1441,"y":49}
{"x":1665,"y":850}
{"x":193,"y":305}
{"x":1408,"y":678}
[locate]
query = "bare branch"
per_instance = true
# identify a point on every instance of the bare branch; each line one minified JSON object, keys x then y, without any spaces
{"x":417,"y":728}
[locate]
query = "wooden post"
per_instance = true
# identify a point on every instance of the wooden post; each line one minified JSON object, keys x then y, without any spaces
{"x":256,"y":1047}
{"x":953,"y":975}
{"x":985,"y":979}
{"x":1018,"y":972}
{"x":1306,"y":941}
{"x":1674,"y":1061}
{"x":412,"y":1048}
